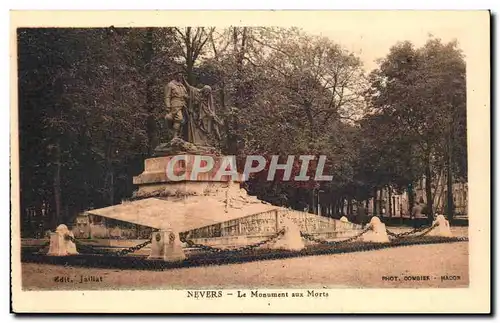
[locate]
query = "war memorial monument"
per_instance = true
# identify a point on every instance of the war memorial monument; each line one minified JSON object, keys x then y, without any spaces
{"x":273,"y":168}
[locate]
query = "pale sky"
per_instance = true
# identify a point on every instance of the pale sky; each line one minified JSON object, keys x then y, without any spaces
{"x":369,"y":45}
{"x":371,"y":35}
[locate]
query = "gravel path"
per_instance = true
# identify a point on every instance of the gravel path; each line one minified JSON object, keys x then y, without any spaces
{"x":410,"y":267}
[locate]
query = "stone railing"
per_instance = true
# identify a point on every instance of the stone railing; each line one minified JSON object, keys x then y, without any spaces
{"x":257,"y":226}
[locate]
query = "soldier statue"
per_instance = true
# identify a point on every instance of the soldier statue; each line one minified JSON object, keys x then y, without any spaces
{"x":175,"y":100}
{"x":194,"y":108}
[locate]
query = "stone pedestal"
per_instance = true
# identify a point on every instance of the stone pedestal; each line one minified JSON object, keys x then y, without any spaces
{"x":165,"y":245}
{"x":377,"y":233}
{"x":177,"y":175}
{"x":291,"y":239}
{"x":59,"y":244}
{"x":442,"y":229}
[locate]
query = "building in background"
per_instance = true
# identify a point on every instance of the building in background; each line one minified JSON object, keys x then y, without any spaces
{"x":398,"y":204}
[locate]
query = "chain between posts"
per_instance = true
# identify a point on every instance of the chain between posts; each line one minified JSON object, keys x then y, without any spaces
{"x":43,"y":246}
{"x":121,"y":252}
{"x":190,"y":243}
{"x":132,"y":249}
{"x":399,"y":242}
{"x":225,"y":256}
{"x":335,"y":243}
{"x":425,"y":231}
{"x":223,"y":250}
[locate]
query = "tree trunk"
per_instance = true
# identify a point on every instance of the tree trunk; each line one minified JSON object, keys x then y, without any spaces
{"x":222,"y":95}
{"x":109,"y":175}
{"x":111,"y":186}
{"x":151,"y":126}
{"x":449,"y":183}
{"x":189,"y":71}
{"x":428,"y":190}
{"x":189,"y":56}
{"x":381,"y":201}
{"x":342,"y":207}
{"x":232,"y":127}
{"x":438,"y":194}
{"x":411,"y":198}
{"x":313,"y":202}
{"x":390,"y":202}
{"x":318,"y":204}
{"x":38,"y":214}
{"x":375,"y":191}
{"x":57,"y":185}
{"x":239,"y":54}
{"x":395,"y":207}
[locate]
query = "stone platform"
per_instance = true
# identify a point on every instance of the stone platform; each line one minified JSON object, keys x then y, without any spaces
{"x":208,"y":211}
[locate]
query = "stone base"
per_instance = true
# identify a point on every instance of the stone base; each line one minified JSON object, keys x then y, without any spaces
{"x":165,"y":245}
{"x":291,"y":239}
{"x":59,"y":245}
{"x":184,"y":189}
{"x":377,"y":233}
{"x":178,"y":146}
{"x":443,"y":228}
{"x":181,"y":180}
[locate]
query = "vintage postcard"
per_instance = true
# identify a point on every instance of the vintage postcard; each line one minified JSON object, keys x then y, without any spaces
{"x":250,"y":161}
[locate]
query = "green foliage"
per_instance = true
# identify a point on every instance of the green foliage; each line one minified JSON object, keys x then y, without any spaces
{"x":418,"y":98}
{"x":83,"y":116}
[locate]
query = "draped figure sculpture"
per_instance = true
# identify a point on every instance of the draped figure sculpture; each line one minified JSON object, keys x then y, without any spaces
{"x":203,"y":123}
{"x":194,"y":108}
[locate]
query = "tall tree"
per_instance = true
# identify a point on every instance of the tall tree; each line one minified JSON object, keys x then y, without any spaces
{"x":193,"y":45}
{"x":419,"y":91}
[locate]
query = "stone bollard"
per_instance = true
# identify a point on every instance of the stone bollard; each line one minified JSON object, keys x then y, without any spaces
{"x":291,"y":239}
{"x":344,"y":219}
{"x":377,"y":232}
{"x":166,"y":245}
{"x":59,"y":244}
{"x":442,"y":229}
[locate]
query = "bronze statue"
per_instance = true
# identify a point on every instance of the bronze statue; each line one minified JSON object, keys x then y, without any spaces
{"x":176,"y":97}
{"x":190,"y":109}
{"x":203,"y":124}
